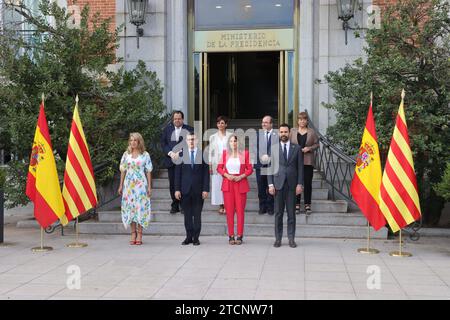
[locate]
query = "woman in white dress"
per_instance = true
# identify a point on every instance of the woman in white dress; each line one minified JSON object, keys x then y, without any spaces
{"x":218,"y":143}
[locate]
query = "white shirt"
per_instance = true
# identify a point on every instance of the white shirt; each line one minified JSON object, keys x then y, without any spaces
{"x":177,"y":132}
{"x":195,"y":154}
{"x":233,"y":165}
{"x":268,"y":135}
{"x":288,"y":146}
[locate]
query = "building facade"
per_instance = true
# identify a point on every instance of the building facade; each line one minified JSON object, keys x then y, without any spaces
{"x":241,"y":58}
{"x":244,"y":59}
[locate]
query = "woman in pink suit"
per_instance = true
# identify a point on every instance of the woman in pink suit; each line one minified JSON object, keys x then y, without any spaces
{"x":235,"y":167}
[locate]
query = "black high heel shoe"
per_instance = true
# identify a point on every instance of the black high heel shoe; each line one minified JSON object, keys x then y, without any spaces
{"x":231,"y":240}
{"x":239,"y":240}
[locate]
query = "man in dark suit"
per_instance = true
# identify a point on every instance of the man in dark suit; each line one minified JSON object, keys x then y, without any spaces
{"x":192,"y":188}
{"x":171,"y":138}
{"x":266,"y":140}
{"x":285,"y":184}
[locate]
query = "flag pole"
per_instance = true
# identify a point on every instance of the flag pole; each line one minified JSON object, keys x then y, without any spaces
{"x":42,"y":248}
{"x":400,"y":253}
{"x":77,"y":244}
{"x":368,"y":250}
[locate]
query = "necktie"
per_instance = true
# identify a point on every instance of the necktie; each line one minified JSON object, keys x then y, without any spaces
{"x":268,"y":142}
{"x":285,"y":152}
{"x":192,"y":159}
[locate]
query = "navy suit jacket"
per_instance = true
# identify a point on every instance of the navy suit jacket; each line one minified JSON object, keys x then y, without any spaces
{"x":188,"y":179}
{"x":168,"y":144}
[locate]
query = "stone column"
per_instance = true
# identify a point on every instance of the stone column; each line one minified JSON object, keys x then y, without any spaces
{"x":176,"y":61}
{"x":306,"y":58}
{"x":1,"y":14}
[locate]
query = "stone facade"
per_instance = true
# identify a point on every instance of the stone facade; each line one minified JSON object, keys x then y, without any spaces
{"x":164,"y":47}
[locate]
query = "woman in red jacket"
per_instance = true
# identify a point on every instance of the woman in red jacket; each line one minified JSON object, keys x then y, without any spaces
{"x":235,"y":167}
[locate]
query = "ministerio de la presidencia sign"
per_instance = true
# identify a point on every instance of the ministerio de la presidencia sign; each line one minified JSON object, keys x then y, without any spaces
{"x":244,"y":40}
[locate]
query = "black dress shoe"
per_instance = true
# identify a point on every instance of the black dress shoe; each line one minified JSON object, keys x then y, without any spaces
{"x":196,"y":242}
{"x":262,"y":211}
{"x":277,"y":243}
{"x":174,"y":209}
{"x":292,"y":244}
{"x":186,"y":241}
{"x":270,"y":213}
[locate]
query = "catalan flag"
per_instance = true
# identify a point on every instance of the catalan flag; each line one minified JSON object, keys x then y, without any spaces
{"x":79,"y":190}
{"x":365,"y":186}
{"x":42,"y":181}
{"x":399,"y":198}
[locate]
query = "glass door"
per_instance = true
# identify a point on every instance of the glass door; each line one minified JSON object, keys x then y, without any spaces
{"x":201,"y":89}
{"x":227,"y":91}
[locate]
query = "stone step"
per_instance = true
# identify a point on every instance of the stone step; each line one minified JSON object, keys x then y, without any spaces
{"x":317,"y":206}
{"x":164,"y":174}
{"x":317,"y":194}
{"x":164,"y":184}
{"x":319,"y":218}
{"x":217,"y":229}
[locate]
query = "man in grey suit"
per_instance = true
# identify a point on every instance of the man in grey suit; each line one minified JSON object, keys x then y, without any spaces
{"x":286,"y":184}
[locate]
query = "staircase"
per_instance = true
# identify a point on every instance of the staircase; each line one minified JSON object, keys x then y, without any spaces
{"x":329,"y":219}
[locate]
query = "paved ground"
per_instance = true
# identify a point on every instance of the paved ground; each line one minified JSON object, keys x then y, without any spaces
{"x":163,"y":269}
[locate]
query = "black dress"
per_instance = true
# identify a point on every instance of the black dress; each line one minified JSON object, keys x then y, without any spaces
{"x":301,"y":139}
{"x":308,"y":172}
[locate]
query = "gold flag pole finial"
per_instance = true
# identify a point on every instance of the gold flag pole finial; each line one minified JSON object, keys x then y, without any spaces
{"x":403,"y":94}
{"x":76,"y":99}
{"x":43,"y":97}
{"x":371,"y":97}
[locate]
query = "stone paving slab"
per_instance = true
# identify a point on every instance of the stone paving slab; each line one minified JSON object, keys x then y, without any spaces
{"x":163,"y":269}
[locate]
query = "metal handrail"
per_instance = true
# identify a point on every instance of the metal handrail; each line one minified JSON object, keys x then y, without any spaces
{"x":337,"y":169}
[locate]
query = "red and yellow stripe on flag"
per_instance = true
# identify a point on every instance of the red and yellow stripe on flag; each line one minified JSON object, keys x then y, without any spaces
{"x":399,"y":198}
{"x":365,"y":186}
{"x":79,"y":191}
{"x":42,"y":181}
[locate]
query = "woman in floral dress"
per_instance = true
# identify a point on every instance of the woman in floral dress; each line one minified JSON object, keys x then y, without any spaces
{"x":135,"y":187}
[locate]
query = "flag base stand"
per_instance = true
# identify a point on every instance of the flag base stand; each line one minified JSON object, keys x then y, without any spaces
{"x":400,"y":253}
{"x":368,"y":250}
{"x":42,"y":248}
{"x":5,"y":245}
{"x":77,"y":244}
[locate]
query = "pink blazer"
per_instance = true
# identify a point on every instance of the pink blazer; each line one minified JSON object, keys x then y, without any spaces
{"x":246,"y":168}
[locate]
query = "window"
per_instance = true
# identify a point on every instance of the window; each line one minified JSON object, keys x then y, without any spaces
{"x":243,"y":14}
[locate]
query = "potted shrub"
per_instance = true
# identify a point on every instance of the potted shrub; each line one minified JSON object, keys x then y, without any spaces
{"x":2,"y":200}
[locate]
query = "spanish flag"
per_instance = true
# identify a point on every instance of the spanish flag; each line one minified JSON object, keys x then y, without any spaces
{"x":42,"y":182}
{"x":79,"y":191}
{"x":365,"y":186}
{"x":399,"y":198}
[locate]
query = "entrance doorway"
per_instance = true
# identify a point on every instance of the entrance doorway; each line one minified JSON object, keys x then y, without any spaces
{"x":244,"y":86}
